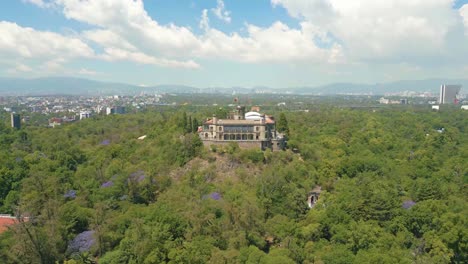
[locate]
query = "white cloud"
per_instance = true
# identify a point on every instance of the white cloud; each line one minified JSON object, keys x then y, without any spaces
{"x":129,"y":32}
{"x":277,"y":43}
{"x":29,"y":46}
{"x":204,"y":20}
{"x":54,"y":49}
{"x":39,"y":3}
{"x":115,"y":54}
{"x":23,"y":68}
{"x":84,"y":71}
{"x":24,"y":42}
{"x":464,"y":15}
{"x":382,"y":29}
{"x":19,"y":68}
{"x":221,"y":12}
{"x":330,"y":32}
{"x":53,"y":66}
{"x":116,"y":48}
{"x":129,"y":21}
{"x":107,"y":38}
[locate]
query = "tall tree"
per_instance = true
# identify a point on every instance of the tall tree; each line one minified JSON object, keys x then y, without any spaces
{"x":194,"y":125}
{"x":183,"y":121}
{"x":282,"y":125}
{"x":188,"y":125}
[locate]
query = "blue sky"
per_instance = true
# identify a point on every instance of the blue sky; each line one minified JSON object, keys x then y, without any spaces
{"x":209,"y":43}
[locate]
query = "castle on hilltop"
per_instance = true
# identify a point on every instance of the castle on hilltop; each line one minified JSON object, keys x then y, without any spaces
{"x":248,"y":130}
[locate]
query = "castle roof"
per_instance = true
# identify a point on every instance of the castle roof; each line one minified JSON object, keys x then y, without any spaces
{"x":240,"y":122}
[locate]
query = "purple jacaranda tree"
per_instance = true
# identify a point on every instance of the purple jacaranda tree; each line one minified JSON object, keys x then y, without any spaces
{"x":105,"y":142}
{"x":137,"y":176}
{"x":107,"y":184}
{"x":214,"y":195}
{"x":408,"y":204}
{"x":70,"y":194}
{"x":82,"y":242}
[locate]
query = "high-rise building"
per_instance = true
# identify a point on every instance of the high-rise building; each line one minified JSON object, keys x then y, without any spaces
{"x":85,"y":114}
{"x":448,"y":94}
{"x":15,"y":120}
{"x":115,"y":110}
{"x":119,"y":110}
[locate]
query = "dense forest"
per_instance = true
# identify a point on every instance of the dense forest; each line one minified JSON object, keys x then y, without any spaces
{"x":393,"y":190}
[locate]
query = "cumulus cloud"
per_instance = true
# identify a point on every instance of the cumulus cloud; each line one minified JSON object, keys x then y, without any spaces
{"x":107,"y":38}
{"x":221,"y":12}
{"x":27,"y":42}
{"x":277,"y":43}
{"x":382,"y":29}
{"x":49,"y":49}
{"x":128,"y":32}
{"x":130,"y":21}
{"x":329,"y":32}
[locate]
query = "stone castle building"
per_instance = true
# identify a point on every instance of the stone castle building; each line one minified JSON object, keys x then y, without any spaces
{"x":249,"y":130}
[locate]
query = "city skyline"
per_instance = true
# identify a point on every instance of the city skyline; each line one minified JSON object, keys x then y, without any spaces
{"x":277,"y":43}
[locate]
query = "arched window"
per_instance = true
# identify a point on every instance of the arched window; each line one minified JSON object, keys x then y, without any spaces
{"x":206,"y":135}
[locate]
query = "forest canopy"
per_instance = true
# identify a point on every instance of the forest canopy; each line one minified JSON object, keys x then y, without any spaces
{"x":393,"y":190}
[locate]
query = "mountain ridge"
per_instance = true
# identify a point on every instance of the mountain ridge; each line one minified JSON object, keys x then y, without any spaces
{"x":83,"y":86}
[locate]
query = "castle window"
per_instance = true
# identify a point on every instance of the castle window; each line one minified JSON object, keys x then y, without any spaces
{"x":238,"y":129}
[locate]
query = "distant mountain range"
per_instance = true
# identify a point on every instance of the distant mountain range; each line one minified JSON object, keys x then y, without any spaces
{"x":78,"y":86}
{"x":428,"y":85}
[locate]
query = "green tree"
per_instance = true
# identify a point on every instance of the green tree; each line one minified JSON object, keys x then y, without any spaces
{"x":195,"y":125}
{"x":282,"y":125}
{"x":189,"y":125}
